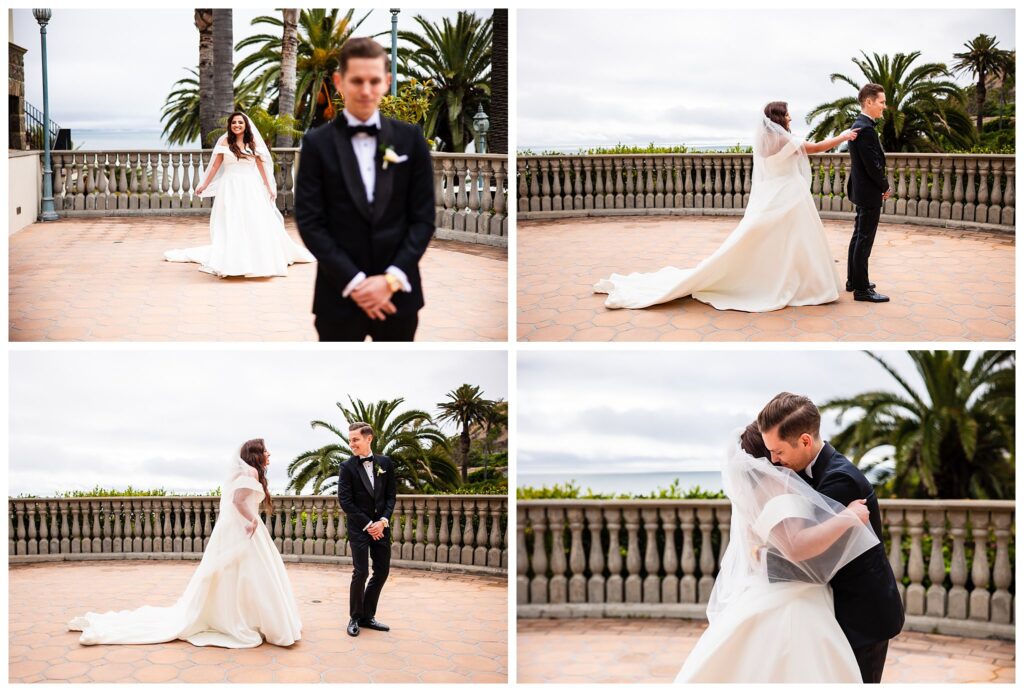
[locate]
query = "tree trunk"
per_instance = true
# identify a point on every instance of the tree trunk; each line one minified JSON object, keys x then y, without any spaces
{"x":207,"y":119}
{"x":464,"y":444}
{"x":223,"y":66}
{"x":497,"y":138}
{"x":981,"y":99}
{"x":289,"y":50}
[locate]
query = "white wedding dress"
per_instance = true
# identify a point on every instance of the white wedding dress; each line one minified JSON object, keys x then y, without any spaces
{"x":778,"y":255}
{"x":247,"y":233}
{"x":238,"y":596}
{"x":771,"y":612}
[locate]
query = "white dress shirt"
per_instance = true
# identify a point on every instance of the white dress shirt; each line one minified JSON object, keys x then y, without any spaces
{"x":368,"y":468}
{"x":811,"y":465}
{"x":365,"y":148}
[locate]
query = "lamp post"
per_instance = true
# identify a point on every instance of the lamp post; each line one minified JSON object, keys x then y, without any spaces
{"x":394,"y":51}
{"x":481,"y":126}
{"x":48,"y":212}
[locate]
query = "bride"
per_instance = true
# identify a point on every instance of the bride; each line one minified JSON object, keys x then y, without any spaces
{"x":239,"y":594}
{"x":771,"y":614}
{"x":778,"y":255}
{"x":247,"y":233}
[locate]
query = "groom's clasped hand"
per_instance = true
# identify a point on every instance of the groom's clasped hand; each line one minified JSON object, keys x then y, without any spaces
{"x":373,"y":296}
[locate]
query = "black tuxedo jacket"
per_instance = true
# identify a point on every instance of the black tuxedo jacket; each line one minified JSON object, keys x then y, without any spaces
{"x":349,"y":235}
{"x":867,"y":181}
{"x":868,"y":605}
{"x":362,"y":502}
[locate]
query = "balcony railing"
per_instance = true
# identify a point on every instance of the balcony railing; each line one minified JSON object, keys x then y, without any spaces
{"x":439,"y":532}
{"x":659,"y":558}
{"x":953,"y":190}
{"x":471,"y":189}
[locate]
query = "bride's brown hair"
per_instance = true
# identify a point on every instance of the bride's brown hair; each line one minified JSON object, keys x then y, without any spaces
{"x":776,"y":112}
{"x":247,"y":138}
{"x":252,"y":453}
{"x":753,"y":444}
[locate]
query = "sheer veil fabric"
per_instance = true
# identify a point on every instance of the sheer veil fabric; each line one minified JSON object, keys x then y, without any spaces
{"x":238,"y":596}
{"x":778,"y":254}
{"x":771,"y":613}
{"x":247,"y":233}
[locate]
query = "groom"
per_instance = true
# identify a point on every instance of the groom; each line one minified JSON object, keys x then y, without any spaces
{"x":366,"y":492}
{"x":867,"y":188}
{"x":364,"y":206}
{"x":867,"y":604}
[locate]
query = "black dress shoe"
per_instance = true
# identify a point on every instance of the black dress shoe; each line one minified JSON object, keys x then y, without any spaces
{"x":869,"y":296}
{"x":849,"y":286}
{"x":353,"y":628}
{"x":374,"y":624}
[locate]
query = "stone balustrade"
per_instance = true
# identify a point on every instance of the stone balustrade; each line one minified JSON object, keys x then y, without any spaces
{"x":471,"y":189}
{"x":608,"y":558}
{"x":465,"y":533}
{"x":952,"y":190}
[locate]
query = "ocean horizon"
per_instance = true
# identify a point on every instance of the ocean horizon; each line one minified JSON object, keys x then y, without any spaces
{"x":113,"y":140}
{"x":629,"y":483}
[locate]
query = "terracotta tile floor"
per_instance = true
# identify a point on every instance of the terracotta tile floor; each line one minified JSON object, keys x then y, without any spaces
{"x":445,"y":628}
{"x":652,"y":651}
{"x":946,"y":285}
{"x":105,"y":279}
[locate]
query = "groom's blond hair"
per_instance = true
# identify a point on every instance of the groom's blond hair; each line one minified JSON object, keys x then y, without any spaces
{"x":792,"y":414}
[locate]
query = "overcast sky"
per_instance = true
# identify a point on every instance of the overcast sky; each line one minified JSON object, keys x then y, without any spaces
{"x":173,"y":419}
{"x":600,"y":77}
{"x":113,"y":69}
{"x":658,"y":411}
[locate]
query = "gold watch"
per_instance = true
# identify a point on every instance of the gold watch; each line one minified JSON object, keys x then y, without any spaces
{"x":393,"y":283}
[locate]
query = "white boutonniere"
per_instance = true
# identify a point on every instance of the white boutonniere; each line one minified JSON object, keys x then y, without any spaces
{"x":380,"y":469}
{"x":391,"y":156}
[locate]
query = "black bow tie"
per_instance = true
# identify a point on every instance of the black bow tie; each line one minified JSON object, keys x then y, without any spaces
{"x":371,"y":130}
{"x":365,"y":459}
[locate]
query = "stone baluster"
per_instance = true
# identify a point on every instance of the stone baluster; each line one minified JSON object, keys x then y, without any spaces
{"x":609,"y":183}
{"x":620,"y":196}
{"x":688,"y":186}
{"x":545,"y":183}
{"x":178,"y":540}
{"x":659,"y":183}
{"x":747,"y":177}
{"x":901,"y":187}
{"x":164,"y":161}
{"x":53,"y":510}
{"x":12,"y":520}
{"x":45,"y":512}
{"x":995,"y":209}
{"x":166,"y":529}
{"x":480,"y":551}
{"x":596,"y":583}
{"x":468,"y":538}
{"x":1002,"y":600}
{"x":65,"y":532}
{"x":958,"y":566}
{"x":723,"y":515}
{"x":455,"y":550}
{"x":443,"y":537}
{"x":818,"y":171}
{"x":536,"y":202}
{"x":21,"y":547}
{"x":96,"y":508}
{"x":688,"y":584}
{"x":894,"y":520}
{"x":522,"y":184}
{"x":957,"y":210}
{"x":278,"y":532}
{"x":614,"y":588}
{"x":934,"y":190}
{"x":210,"y":509}
{"x":946,"y":205}
{"x":707,"y":555}
{"x":31,"y":539}
{"x":717,"y":203}
{"x":319,"y":530}
{"x":86,"y":506}
{"x":678,"y":193}
{"x":419,"y":511}
{"x":915,"y":564}
{"x":648,"y":197}
{"x":430,"y":549}
{"x":1009,"y":196}
{"x":472,"y":217}
{"x":577,"y":198}
{"x":670,"y":584}
{"x":709,"y":197}
{"x":558,"y":585}
{"x":494,"y":552}
{"x":308,"y":532}
{"x":577,"y":561}
{"x":628,"y":174}
{"x":290,"y":520}
{"x":539,"y":563}
{"x":598,"y":199}
{"x":330,"y":532}
{"x":522,"y":559}
{"x":979,"y":602}
{"x":558,"y":174}
{"x":117,"y":542}
{"x":76,"y":531}
{"x":972,"y":190}
{"x":634,"y":590}
{"x":981,"y":210}
{"x":652,"y":566}
{"x":936,"y":595}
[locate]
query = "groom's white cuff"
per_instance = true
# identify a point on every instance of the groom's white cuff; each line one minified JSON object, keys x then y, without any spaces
{"x":356,"y":280}
{"x":361,"y":277}
{"x":402,"y":278}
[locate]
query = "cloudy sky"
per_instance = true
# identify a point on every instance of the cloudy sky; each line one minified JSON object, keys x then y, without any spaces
{"x":658,"y":411}
{"x":600,"y":77}
{"x":113,"y":69}
{"x":173,"y":419}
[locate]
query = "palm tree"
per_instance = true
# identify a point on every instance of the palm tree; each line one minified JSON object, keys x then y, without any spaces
{"x":417,"y":447}
{"x":983,"y":60}
{"x":457,"y":58}
{"x":204,"y":88}
{"x":495,"y":423}
{"x":925,"y":108}
{"x":466,"y":408}
{"x":953,"y":440}
{"x":321,"y":34}
{"x":289,"y":52}
{"x":223,"y":60}
{"x":497,"y":138}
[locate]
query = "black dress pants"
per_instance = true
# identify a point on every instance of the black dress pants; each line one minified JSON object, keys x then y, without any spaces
{"x":871,"y":660}
{"x":396,"y":327}
{"x":363,"y":596}
{"x":864,"y":228}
